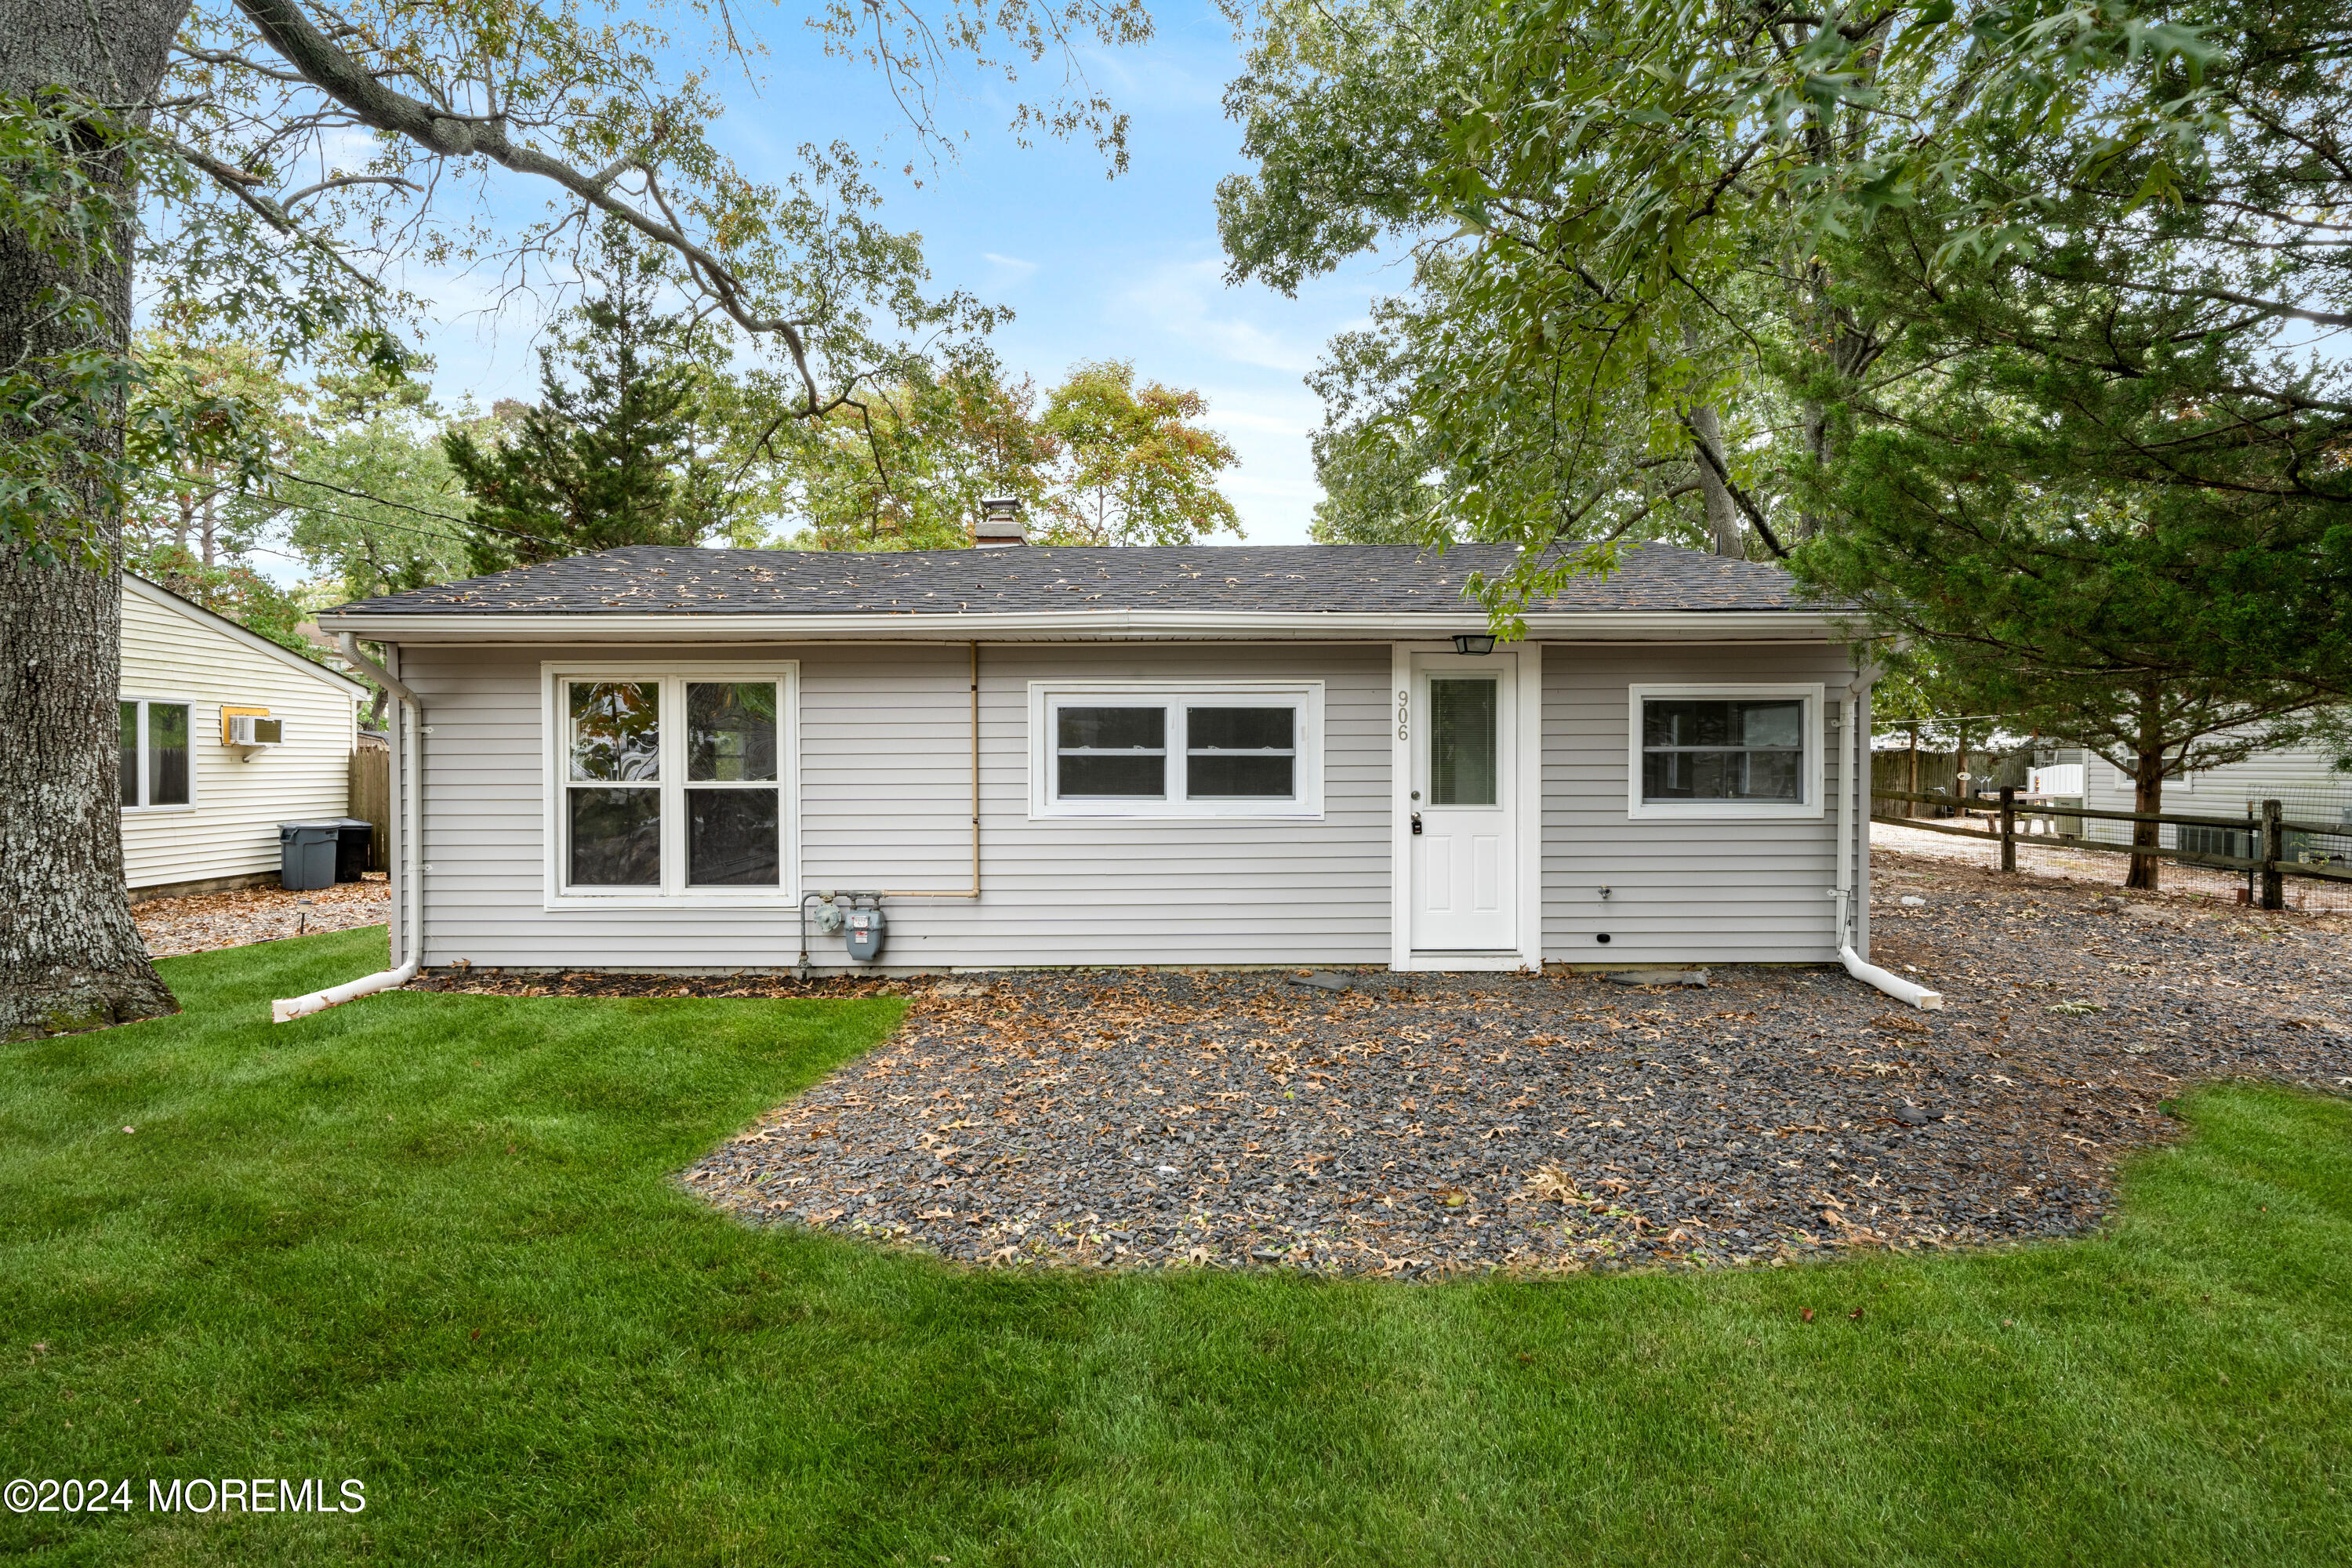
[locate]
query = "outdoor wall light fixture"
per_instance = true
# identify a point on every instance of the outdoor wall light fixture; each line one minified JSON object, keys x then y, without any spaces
{"x":1474,"y":642}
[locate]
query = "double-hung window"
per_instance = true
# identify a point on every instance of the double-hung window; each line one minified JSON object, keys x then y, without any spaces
{"x":670,"y":783}
{"x":156,"y":764}
{"x":1166,"y":749}
{"x":1725,"y":752}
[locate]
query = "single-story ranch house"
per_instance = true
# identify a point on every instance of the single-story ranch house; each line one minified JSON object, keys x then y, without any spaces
{"x":643,"y":758}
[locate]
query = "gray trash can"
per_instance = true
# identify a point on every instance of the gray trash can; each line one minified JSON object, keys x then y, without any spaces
{"x":306,"y":854}
{"x":352,"y":836}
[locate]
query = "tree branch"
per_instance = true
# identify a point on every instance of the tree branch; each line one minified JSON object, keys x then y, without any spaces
{"x":302,"y":45}
{"x":1747,"y":503}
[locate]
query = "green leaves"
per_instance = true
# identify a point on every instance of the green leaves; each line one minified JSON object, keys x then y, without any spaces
{"x":1136,"y":467}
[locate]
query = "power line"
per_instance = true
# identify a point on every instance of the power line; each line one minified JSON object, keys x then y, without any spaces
{"x":400,"y":506}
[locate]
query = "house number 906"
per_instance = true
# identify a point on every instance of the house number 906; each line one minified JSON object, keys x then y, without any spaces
{"x":1404,"y":703}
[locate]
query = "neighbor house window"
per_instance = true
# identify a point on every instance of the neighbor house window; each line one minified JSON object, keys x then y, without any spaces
{"x":152,"y":752}
{"x":1240,"y":749}
{"x":671,"y":785}
{"x":1726,"y":750}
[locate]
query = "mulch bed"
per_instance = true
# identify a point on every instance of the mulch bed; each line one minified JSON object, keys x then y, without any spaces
{"x":206,"y":920}
{"x":1419,"y":1126}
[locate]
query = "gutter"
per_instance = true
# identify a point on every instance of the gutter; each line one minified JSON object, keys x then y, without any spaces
{"x":410,"y":757}
{"x":1097,"y":625}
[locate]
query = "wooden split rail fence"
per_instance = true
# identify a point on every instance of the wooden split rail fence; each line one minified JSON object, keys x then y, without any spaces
{"x":2270,"y":829}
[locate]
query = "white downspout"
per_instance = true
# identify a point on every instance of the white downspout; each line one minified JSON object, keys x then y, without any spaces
{"x":411,"y":760}
{"x":1853,"y":760}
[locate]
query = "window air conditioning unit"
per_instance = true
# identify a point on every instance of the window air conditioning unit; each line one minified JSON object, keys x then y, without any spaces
{"x":253,"y":729}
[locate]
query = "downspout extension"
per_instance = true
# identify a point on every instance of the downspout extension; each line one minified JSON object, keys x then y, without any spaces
{"x":287,"y":1010}
{"x":1853,"y":759}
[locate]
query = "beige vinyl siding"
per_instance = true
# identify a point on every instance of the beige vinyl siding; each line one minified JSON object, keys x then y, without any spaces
{"x":169,"y":655}
{"x":885,"y":804}
{"x":1679,"y":892}
{"x":885,"y":786}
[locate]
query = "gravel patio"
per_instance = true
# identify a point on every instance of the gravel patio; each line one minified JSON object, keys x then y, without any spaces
{"x":1421,"y":1126}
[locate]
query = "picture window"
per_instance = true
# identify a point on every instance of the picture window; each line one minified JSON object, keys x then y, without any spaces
{"x":672,"y":784}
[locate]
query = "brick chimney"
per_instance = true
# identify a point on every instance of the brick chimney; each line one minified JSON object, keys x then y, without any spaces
{"x":1000,"y":524}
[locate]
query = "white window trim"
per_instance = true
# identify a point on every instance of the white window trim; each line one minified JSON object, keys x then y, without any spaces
{"x":1307,"y":777}
{"x":674,"y":893}
{"x":1809,"y":809}
{"x":195,"y":793}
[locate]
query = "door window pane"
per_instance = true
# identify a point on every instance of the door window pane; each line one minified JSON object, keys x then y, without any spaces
{"x":167,"y":753}
{"x":128,"y":752}
{"x":615,"y":837}
{"x":1707,"y":749}
{"x":1240,"y":754}
{"x":1462,"y":716}
{"x":1111,"y":752}
{"x":616,"y":729}
{"x":731,"y":840}
{"x":731,"y":730}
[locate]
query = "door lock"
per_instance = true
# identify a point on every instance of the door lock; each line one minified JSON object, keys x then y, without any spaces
{"x":1417,"y":822}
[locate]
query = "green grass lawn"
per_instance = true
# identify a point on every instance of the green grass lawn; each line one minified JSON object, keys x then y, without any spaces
{"x":429,"y":1242}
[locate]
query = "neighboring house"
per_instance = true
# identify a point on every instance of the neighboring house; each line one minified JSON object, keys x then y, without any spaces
{"x":641,"y":760}
{"x":202,"y":797}
{"x":2302,"y":779}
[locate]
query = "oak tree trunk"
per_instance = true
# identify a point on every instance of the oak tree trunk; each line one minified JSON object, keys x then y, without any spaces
{"x":70,"y":957}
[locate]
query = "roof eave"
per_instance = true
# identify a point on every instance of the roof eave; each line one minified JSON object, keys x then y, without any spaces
{"x":1083,"y":626}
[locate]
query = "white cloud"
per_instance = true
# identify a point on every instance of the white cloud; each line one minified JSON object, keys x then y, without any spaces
{"x":1007,"y":271}
{"x":1191,"y":300}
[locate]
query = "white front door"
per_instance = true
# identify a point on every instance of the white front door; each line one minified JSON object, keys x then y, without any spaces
{"x":1465,"y":860}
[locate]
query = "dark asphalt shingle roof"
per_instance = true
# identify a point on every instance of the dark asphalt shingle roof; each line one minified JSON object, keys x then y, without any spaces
{"x":1288,"y":579}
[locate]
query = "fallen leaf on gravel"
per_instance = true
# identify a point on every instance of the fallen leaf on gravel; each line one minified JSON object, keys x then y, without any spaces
{"x":2076,"y":1009}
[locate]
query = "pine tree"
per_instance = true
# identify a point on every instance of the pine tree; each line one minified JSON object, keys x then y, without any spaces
{"x":610,"y":456}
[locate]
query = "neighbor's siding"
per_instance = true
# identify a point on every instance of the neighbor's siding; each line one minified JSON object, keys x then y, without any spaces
{"x":233,"y":829}
{"x":885,"y":803}
{"x":2301,"y":778}
{"x":1680,"y":893}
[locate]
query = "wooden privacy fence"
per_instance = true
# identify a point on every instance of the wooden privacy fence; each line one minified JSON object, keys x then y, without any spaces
{"x":2270,"y":829}
{"x":371,"y":799}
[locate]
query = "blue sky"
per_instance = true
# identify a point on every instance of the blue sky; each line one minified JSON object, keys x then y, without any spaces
{"x":1127,"y":269}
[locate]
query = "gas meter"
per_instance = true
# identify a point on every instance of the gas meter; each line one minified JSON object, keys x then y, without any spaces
{"x":864,"y":930}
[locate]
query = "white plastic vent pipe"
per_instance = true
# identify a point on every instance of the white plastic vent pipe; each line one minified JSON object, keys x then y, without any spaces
{"x":412,"y":757}
{"x":1853,"y":759}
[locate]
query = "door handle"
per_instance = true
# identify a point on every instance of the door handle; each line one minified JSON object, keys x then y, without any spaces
{"x":1417,"y":822}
